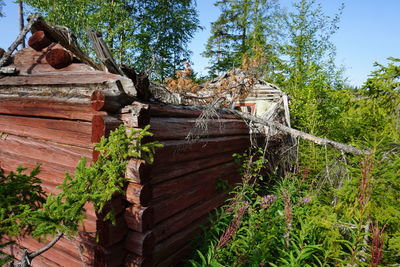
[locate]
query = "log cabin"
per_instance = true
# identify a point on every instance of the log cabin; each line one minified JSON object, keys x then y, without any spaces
{"x":52,"y":111}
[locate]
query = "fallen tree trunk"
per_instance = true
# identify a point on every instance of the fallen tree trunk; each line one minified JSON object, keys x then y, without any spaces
{"x":299,"y":134}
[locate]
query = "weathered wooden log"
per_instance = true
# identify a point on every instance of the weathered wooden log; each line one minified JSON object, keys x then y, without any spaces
{"x":171,"y":206}
{"x":110,"y":256}
{"x":182,"y":150}
{"x":138,"y":194}
{"x":135,"y":115}
{"x":111,"y":101}
{"x":181,"y":128}
{"x":39,"y":41}
{"x":65,"y":38}
{"x":138,"y":218}
{"x":54,"y":255}
{"x":17,"y":252}
{"x":138,"y":171}
{"x":103,"y":53}
{"x":133,"y":260}
{"x":51,"y":174}
{"x":177,"y":258}
{"x":102,"y":126}
{"x":59,"y":58}
{"x":6,"y":56}
{"x":299,"y":134}
{"x":46,"y":152}
{"x":176,"y":242}
{"x":73,"y":109}
{"x":141,"y":244}
{"x":76,"y":133}
{"x":184,"y":183}
{"x":181,"y":220}
{"x":168,"y":110}
{"x":163,"y":172}
{"x":109,"y":234}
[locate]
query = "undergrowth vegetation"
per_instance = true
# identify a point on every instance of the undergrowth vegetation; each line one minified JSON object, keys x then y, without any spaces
{"x":25,"y":209}
{"x":332,"y":209}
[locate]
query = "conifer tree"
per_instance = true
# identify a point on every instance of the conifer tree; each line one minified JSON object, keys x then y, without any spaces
{"x":309,"y":70}
{"x":244,"y":29}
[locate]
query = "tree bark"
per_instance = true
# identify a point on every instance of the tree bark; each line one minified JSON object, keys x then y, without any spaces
{"x":21,"y":20}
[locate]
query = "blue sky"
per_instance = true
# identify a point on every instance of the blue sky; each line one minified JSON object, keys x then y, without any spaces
{"x":369,"y":31}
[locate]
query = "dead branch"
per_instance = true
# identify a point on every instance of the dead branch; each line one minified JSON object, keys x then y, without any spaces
{"x":19,"y":39}
{"x":103,"y":53}
{"x":296,"y":133}
{"x":28,"y":257}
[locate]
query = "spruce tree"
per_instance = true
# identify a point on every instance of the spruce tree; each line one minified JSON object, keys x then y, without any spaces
{"x":309,"y":71}
{"x":244,"y":29}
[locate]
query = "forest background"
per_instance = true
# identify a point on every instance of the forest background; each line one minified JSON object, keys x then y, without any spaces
{"x":331,"y":208}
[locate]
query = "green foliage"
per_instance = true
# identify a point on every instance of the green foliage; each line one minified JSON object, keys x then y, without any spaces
{"x":96,"y":183}
{"x":21,"y":194}
{"x":325,"y":213}
{"x":24,"y":208}
{"x":137,"y":32}
{"x":244,"y":28}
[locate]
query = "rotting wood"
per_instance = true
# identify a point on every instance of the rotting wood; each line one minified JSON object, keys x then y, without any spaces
{"x":138,"y":218}
{"x":59,"y":58}
{"x":111,"y":101}
{"x":141,"y":244}
{"x":138,"y":194}
{"x":299,"y":134}
{"x":66,"y":39}
{"x":62,"y":78}
{"x":19,"y":39}
{"x":39,"y":41}
{"x":103,"y":53}
{"x":138,"y":171}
